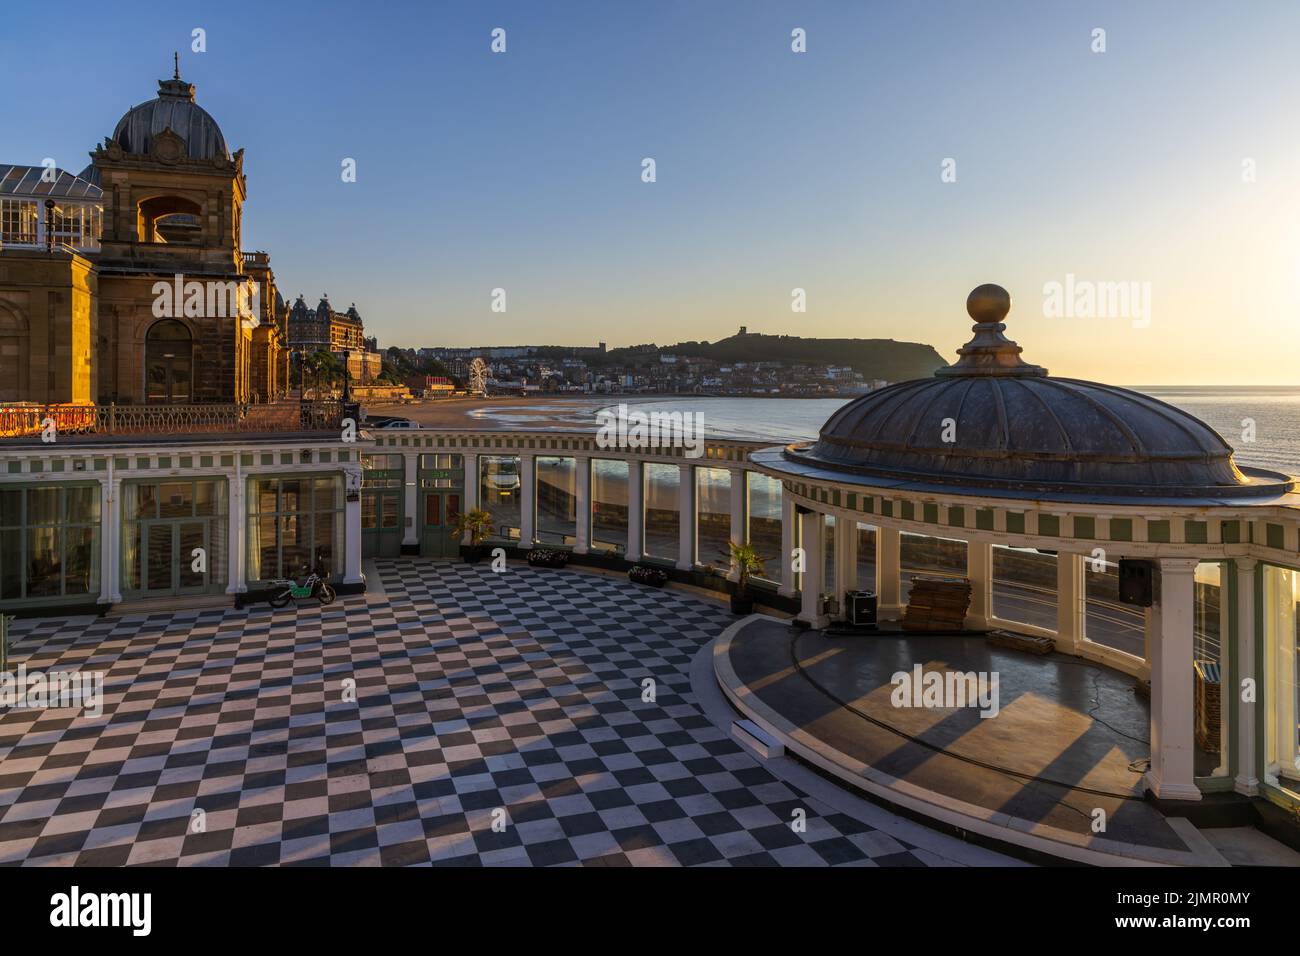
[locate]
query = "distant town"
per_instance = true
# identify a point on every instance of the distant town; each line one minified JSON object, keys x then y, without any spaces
{"x":745,"y":364}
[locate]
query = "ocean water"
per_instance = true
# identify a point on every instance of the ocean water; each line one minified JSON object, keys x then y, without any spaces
{"x":1262,"y":423}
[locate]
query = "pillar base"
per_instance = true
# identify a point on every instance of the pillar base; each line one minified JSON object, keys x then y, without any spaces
{"x":1247,"y":786}
{"x":1172,"y":791}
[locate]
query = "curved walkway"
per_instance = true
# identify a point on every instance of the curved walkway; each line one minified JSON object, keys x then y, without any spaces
{"x":397,"y":727}
{"x":828,"y":701}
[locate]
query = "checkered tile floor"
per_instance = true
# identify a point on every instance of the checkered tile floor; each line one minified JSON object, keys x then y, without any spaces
{"x":479,"y":697}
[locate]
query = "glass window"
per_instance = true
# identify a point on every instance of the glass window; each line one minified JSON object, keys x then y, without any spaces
{"x":713,"y":517}
{"x":1209,"y":671}
{"x":557,"y":500}
{"x":1024,"y":586}
{"x":661,"y":514}
{"x":500,"y":494}
{"x":49,"y":542}
{"x":764,"y":520}
{"x":307,"y":529}
{"x":1106,"y":620}
{"x":867,"y":558}
{"x":928,"y":556}
{"x":609,"y":518}
{"x":43,"y":506}
{"x":1282,"y":683}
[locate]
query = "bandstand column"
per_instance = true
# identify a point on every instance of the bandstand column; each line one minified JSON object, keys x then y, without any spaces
{"x":1172,"y":773}
{"x":635,"y":509}
{"x":738,"y":498}
{"x":979,"y":569}
{"x":110,"y":529}
{"x":789,"y":526}
{"x":889,"y":542}
{"x":527,"y":500}
{"x":846,"y":561}
{"x":1247,"y":781}
{"x":1069,"y":602}
{"x":685,"y":517}
{"x":410,"y":503}
{"x":814,"y":556}
{"x":582,"y":507}
{"x":469,"y":494}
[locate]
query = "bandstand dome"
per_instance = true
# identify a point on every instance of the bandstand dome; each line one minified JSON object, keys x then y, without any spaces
{"x":992,"y":421}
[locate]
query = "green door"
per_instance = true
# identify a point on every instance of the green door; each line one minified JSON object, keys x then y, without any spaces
{"x":437,"y":516}
{"x":381,"y":523}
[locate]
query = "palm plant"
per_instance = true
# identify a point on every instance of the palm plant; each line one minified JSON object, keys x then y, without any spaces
{"x":475,"y":522}
{"x":746,"y":562}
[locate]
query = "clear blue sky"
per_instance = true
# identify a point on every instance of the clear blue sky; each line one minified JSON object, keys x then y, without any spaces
{"x":775,"y":170}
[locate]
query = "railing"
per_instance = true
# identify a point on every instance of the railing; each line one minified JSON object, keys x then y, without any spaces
{"x":26,"y":419}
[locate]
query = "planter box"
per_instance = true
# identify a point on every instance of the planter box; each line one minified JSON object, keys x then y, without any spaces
{"x":547,"y":558}
{"x":645,"y":574}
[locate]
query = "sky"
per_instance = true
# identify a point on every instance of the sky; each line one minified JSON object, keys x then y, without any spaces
{"x":1169,"y":162}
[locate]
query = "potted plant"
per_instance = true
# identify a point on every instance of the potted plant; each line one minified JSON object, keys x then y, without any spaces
{"x":548,"y":558}
{"x":476,"y":523}
{"x":647,"y":574}
{"x":747,"y":563}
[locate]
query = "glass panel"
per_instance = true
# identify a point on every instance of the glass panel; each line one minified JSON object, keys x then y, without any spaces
{"x":328,"y":493}
{"x":369,"y":512}
{"x":1106,"y":620}
{"x":11,"y":564}
{"x":43,"y":506}
{"x":390,"y":517}
{"x":268,"y":548}
{"x":192,"y":537}
{"x":205,"y":497}
{"x":713,"y":517}
{"x":453,"y":508}
{"x":295,"y":546}
{"x":44,"y":561}
{"x":324,"y":539}
{"x":500,"y":493}
{"x":557,"y":500}
{"x":1024,"y":586}
{"x":293,"y":495}
{"x":11,"y":507}
{"x":266,"y":494}
{"x":764,"y":510}
{"x":83,"y":505}
{"x":867,"y":558}
{"x":176,"y":499}
{"x":1281,"y":683}
{"x":609,"y":504}
{"x":433,"y":510}
{"x":79,"y":566}
{"x":923,"y":554}
{"x":159,"y":557}
{"x":661,"y":513}
{"x":1209,"y":671}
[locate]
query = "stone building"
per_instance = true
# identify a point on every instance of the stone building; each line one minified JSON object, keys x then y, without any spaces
{"x":113,"y":282}
{"x":324,"y":330}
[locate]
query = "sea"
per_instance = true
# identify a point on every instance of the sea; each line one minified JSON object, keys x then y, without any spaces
{"x":1260,"y":422}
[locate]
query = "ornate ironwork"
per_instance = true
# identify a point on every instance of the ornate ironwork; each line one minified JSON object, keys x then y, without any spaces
{"x":29,"y":419}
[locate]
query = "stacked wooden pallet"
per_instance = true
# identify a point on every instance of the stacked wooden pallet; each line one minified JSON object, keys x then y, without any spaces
{"x":937,"y":604}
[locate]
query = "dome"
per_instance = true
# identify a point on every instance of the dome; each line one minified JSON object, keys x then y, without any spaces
{"x":992,"y":421}
{"x":174,"y":108}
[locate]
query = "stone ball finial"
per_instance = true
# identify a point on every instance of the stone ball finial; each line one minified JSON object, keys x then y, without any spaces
{"x":988,"y":303}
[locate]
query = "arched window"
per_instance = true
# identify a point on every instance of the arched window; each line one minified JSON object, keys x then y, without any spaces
{"x":171,"y":219}
{"x":168,"y":363}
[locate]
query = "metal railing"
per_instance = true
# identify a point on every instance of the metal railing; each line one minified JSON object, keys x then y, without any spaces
{"x":24,"y":420}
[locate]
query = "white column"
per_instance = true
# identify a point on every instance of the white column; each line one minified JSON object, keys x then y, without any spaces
{"x":739,"y":494}
{"x":582,"y":526}
{"x":685,"y":517}
{"x":1247,"y":781}
{"x":979,"y":569}
{"x":814,"y":550}
{"x":352,"y":527}
{"x":470,"y":494}
{"x":789,"y":524}
{"x":635,"y":510}
{"x":1172,"y":773}
{"x":889,"y":543}
{"x":527,"y":500}
{"x":411,"y":502}
{"x":1070,"y":599}
{"x":237,"y":532}
{"x":110,"y":542}
{"x":846,"y":561}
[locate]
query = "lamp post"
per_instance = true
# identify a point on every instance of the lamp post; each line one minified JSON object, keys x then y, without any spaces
{"x":49,"y":225}
{"x":347,"y":375}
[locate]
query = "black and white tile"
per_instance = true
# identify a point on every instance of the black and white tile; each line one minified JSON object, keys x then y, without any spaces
{"x":475,"y":693}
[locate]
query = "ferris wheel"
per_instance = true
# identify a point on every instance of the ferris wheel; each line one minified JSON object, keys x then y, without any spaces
{"x":478,"y":377}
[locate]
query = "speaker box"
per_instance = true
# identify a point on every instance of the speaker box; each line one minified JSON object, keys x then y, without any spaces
{"x":860,"y":607}
{"x":1136,"y":582}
